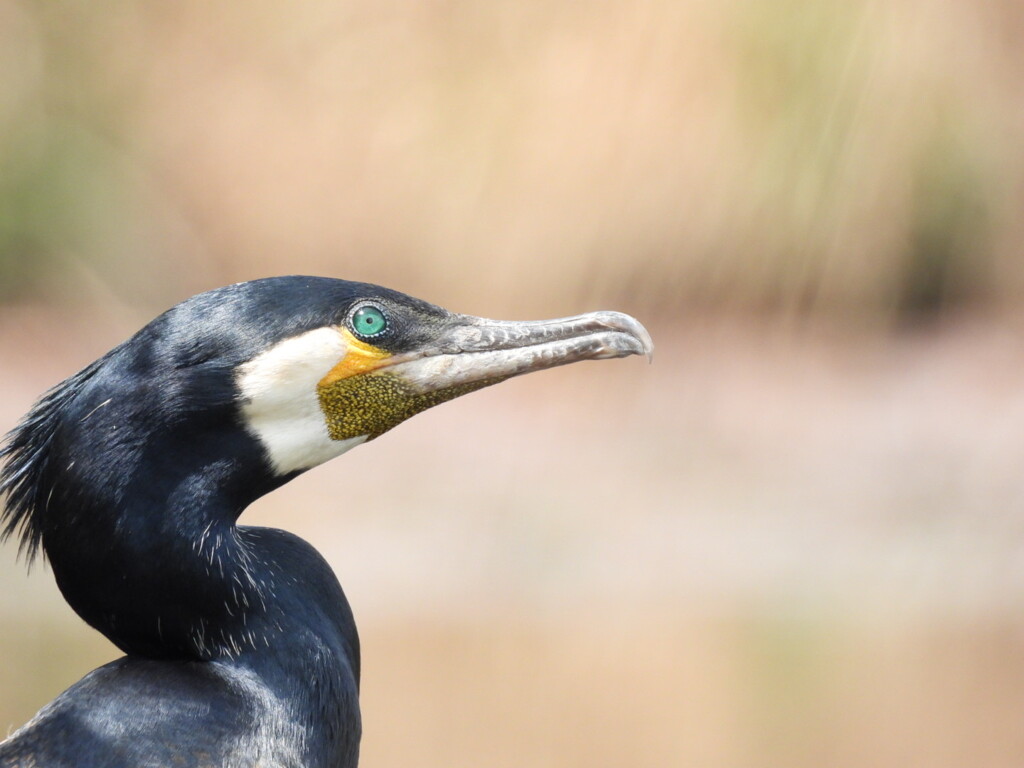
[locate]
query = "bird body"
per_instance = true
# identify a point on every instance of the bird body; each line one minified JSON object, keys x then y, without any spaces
{"x":137,"y":712}
{"x":241,"y":648}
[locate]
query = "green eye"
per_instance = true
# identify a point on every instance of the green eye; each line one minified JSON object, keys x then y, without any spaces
{"x":369,"y":321}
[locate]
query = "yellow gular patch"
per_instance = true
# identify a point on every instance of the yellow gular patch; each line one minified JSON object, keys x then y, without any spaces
{"x":368,"y":406}
{"x":359,"y":358}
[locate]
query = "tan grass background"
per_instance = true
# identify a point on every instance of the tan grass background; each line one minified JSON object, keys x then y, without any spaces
{"x":795,"y":539}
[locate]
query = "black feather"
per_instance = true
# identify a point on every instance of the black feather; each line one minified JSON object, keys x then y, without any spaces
{"x":25,"y":453}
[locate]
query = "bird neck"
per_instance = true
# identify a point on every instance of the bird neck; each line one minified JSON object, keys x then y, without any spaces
{"x":183,"y":580}
{"x":156,"y":562}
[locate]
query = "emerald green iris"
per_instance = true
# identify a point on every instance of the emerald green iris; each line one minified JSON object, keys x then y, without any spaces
{"x":368,"y":320}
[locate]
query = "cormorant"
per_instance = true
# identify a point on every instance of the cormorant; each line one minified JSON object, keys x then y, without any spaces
{"x":241,"y":649}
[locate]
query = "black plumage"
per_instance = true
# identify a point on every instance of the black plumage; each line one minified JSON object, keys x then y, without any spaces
{"x":130,"y":476}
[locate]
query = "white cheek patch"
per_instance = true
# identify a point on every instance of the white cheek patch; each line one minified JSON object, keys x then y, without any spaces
{"x":279,"y":400}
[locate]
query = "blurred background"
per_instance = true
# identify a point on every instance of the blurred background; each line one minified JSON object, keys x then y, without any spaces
{"x":796,"y":539}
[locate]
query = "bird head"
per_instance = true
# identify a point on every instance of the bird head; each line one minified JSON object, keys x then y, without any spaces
{"x":381,"y":357}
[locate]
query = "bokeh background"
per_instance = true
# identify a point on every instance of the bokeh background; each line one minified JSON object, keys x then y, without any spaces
{"x":794,"y":540}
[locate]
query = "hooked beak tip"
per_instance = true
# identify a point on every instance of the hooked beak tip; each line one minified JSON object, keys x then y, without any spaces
{"x":630,"y":326}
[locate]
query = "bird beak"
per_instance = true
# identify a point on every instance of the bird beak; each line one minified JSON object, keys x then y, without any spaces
{"x":473,"y":349}
{"x":466,"y":354}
